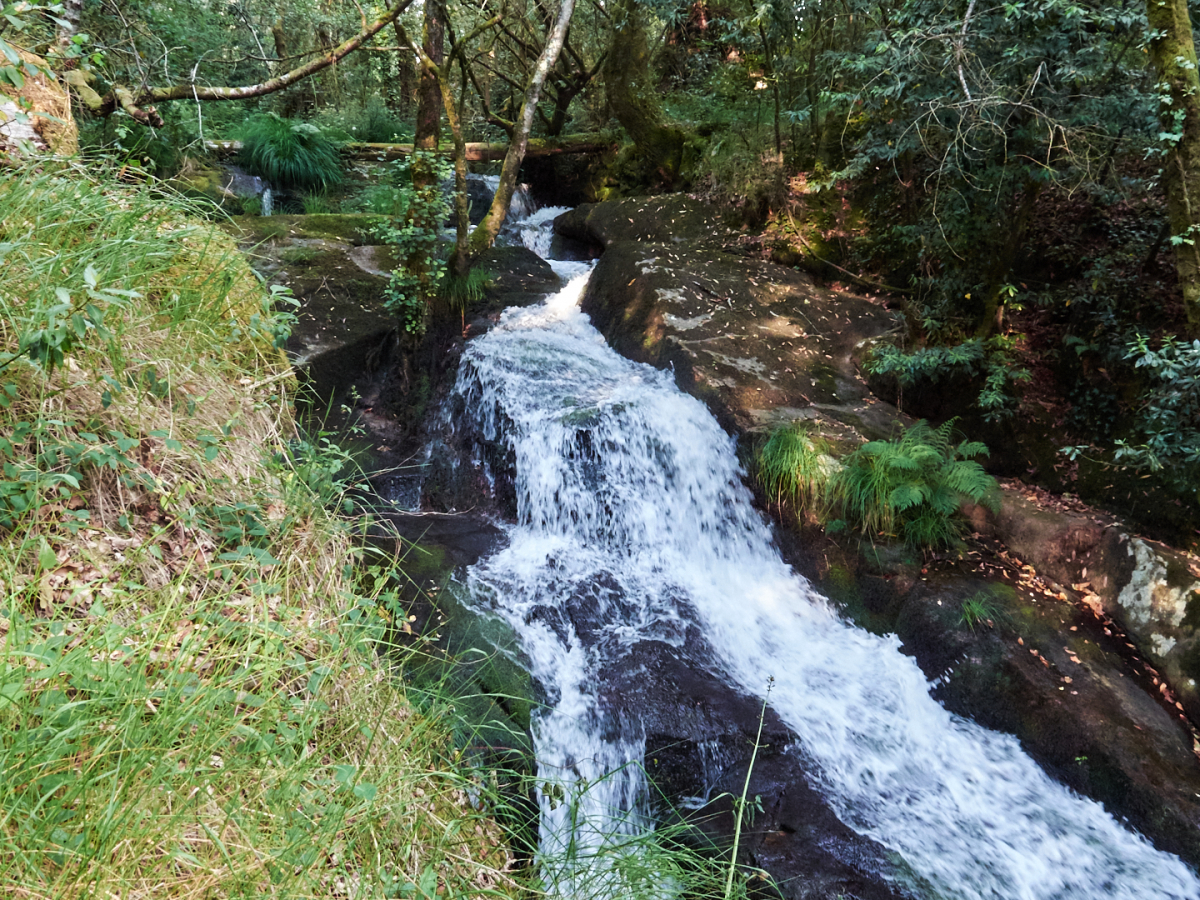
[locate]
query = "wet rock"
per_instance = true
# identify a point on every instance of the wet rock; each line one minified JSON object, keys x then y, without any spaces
{"x":760,"y":344}
{"x":700,"y":737}
{"x":1151,"y":591}
{"x":667,"y":218}
{"x":1045,"y":671}
{"x":516,"y":277}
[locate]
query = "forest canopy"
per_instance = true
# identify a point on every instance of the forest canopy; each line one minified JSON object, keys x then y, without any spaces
{"x":1019,"y":175}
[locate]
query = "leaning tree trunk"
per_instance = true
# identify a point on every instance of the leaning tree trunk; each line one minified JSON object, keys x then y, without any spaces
{"x":1173,"y":53}
{"x":633,"y":96}
{"x":485,"y":234}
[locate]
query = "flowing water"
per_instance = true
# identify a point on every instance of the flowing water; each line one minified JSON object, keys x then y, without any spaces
{"x":633,"y":525}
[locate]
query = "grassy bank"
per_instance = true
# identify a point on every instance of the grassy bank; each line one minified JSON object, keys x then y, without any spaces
{"x":189,"y":699}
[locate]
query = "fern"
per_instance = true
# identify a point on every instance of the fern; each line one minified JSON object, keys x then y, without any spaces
{"x":794,"y":467}
{"x":911,"y":488}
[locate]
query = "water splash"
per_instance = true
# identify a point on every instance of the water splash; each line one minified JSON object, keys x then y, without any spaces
{"x":634,"y":524}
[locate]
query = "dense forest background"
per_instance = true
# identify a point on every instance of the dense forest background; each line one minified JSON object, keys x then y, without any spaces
{"x":1016,"y":176}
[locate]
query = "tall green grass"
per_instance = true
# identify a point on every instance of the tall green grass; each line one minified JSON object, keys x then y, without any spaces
{"x":794,"y":467}
{"x":289,"y":154}
{"x":190,"y":699}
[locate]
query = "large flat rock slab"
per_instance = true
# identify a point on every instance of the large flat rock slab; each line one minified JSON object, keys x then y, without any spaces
{"x":669,"y":218}
{"x":758,"y":342}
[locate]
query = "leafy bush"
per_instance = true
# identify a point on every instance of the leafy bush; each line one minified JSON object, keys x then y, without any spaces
{"x":795,"y":467}
{"x":289,"y":154}
{"x":912,"y":488}
{"x":1169,"y":418}
{"x":992,"y":358}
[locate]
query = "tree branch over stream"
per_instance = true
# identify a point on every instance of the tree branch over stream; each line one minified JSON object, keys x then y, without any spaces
{"x":138,"y":103}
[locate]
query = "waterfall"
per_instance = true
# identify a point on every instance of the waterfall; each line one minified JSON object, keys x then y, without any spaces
{"x":268,"y":201}
{"x":633,"y":525}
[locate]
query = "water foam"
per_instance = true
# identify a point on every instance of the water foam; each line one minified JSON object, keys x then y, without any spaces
{"x":633,"y":521}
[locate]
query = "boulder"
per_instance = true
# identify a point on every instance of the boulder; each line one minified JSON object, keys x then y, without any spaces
{"x":757,"y":342}
{"x":1150,"y":590}
{"x":668,"y":218}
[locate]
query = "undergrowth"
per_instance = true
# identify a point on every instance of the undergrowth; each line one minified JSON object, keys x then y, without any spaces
{"x":190,"y":703}
{"x":911,"y":488}
{"x":289,"y":154}
{"x":794,"y":467}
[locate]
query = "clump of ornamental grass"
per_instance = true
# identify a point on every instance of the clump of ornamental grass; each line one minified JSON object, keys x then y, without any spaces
{"x":794,"y":467}
{"x":190,"y":704}
{"x":289,"y":154}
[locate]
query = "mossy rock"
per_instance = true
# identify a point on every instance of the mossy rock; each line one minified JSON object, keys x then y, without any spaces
{"x":355,"y":229}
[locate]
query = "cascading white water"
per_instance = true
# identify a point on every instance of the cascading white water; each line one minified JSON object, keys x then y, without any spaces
{"x":633,"y":523}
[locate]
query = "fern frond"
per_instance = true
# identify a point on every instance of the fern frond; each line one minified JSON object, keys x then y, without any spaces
{"x":912,"y":487}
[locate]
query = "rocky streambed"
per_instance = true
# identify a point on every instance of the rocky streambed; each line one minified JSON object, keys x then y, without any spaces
{"x":1092,"y":698}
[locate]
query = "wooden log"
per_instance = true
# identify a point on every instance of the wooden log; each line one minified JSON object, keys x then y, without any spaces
{"x":476,"y":151}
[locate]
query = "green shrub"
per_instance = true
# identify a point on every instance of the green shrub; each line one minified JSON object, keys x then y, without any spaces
{"x":1169,"y":414}
{"x":911,"y":488}
{"x":289,"y":154}
{"x":370,"y":122}
{"x":794,"y":467}
{"x":992,"y":358}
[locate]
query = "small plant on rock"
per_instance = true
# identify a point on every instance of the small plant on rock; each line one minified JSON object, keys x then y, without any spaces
{"x":794,"y":467}
{"x":911,"y":488}
{"x":979,"y":609}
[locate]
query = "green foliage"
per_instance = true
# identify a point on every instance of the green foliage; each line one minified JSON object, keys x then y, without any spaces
{"x":979,"y":609}
{"x":911,"y":488}
{"x":289,"y":154}
{"x":370,"y":122}
{"x":461,"y":292}
{"x":1169,"y":414}
{"x":992,"y":358}
{"x":795,"y":467}
{"x":71,"y":303}
{"x":417,"y":214}
{"x":316,"y":204}
{"x":189,"y":696}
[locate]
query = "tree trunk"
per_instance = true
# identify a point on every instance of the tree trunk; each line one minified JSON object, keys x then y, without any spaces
{"x":1005,"y":258}
{"x":633,"y":97}
{"x":485,"y":234}
{"x":1173,"y":54}
{"x":429,"y":99}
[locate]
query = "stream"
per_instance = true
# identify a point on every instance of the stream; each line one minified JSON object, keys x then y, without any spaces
{"x":633,"y":526}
